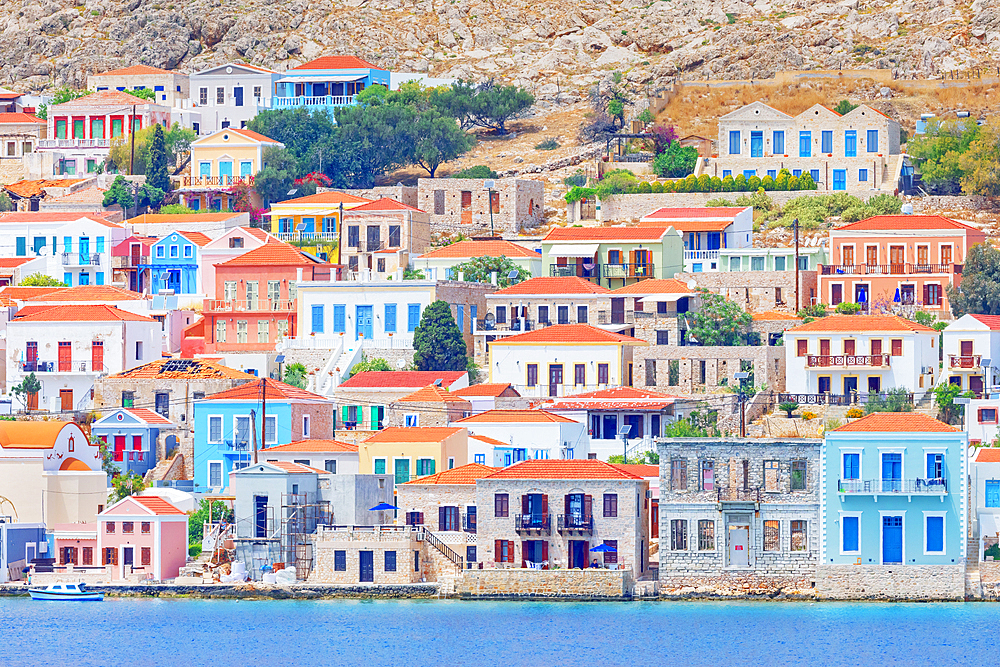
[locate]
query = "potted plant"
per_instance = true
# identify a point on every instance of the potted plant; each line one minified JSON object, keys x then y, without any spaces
{"x":789,"y":407}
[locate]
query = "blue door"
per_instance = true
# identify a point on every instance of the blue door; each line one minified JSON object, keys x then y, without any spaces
{"x":993,"y":493}
{"x":892,"y":539}
{"x":246,"y":169}
{"x":839,"y":179}
{"x":756,"y":144}
{"x":892,"y":472}
{"x":363,"y":322}
{"x":84,"y":250}
{"x":805,"y":144}
{"x":851,"y":143}
{"x":174,"y":280}
{"x":225,"y":172}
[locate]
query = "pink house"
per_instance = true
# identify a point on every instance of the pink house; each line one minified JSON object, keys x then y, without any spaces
{"x":145,"y":536}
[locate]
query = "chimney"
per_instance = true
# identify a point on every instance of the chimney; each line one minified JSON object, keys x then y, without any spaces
{"x":493,"y":278}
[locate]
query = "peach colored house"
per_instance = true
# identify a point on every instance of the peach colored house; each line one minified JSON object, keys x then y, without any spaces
{"x":144,"y":536}
{"x":913,"y":256}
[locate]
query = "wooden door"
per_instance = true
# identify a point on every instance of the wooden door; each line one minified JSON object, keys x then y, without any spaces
{"x":871,"y":255}
{"x":966,"y":348}
{"x":849,"y":347}
{"x":897,"y":254}
{"x":618,"y":310}
{"x":555,"y":379}
{"x":876,"y":345}
{"x":65,"y":357}
{"x":824,"y":347}
{"x":66,"y":400}
{"x":848,"y":252}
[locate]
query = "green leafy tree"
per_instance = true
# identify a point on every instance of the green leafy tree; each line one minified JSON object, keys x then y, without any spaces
{"x":176,"y":209}
{"x":60,"y":96}
{"x":944,"y":396}
{"x":813,"y":310}
{"x":896,"y":399}
{"x":149,"y":196}
{"x":719,"y":321}
{"x":29,"y":385}
{"x":439,"y":139}
{"x":409,"y":273}
{"x":295,"y":375}
{"x":938,"y":152}
{"x":376,"y":364}
{"x":119,"y":193}
{"x":438,"y":344}
{"x":41,"y":280}
{"x":979,"y":162}
{"x":144,"y":94}
{"x":123,"y":486}
{"x":741,"y":183}
{"x":806,"y":181}
{"x":156,"y":171}
{"x":979,"y":291}
{"x":5,"y":202}
{"x":480,"y":171}
{"x":646,"y":117}
{"x":844,"y":107}
{"x":848,"y":308}
{"x":481,"y":269}
{"x":374,"y":140}
{"x":208,"y":511}
{"x":277,"y":176}
{"x":495,"y":105}
{"x":676,"y":161}
{"x":107,"y":454}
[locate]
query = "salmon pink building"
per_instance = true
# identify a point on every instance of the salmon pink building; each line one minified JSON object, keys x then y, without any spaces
{"x":144,"y":537}
{"x":897,"y":259}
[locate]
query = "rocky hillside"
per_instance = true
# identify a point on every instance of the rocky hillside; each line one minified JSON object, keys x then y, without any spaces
{"x":555,"y":47}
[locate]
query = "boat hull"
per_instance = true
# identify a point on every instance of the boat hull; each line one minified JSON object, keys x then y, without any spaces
{"x":51,"y":596}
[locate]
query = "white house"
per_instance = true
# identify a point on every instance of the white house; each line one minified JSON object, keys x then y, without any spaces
{"x":707,"y":231}
{"x":333,"y":456}
{"x":984,"y":496}
{"x":68,"y":347}
{"x":981,"y":419}
{"x":524,"y":434}
{"x":562,"y":360}
{"x":971,"y":352}
{"x":230,"y":95}
{"x":440,"y":262}
{"x":848,"y":354}
{"x":77,"y":246}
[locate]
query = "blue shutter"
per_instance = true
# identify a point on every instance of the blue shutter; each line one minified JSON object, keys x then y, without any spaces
{"x":460,"y":312}
{"x":805,"y":143}
{"x":727,"y":172}
{"x":473,"y":313}
{"x":339,"y":319}
{"x":412,"y":316}
{"x":850,"y":530}
{"x":935,"y":533}
{"x":99,"y":245}
{"x":100,"y":277}
{"x":815,"y":175}
{"x":993,"y":493}
{"x":862,"y":175}
{"x":22,"y":246}
{"x":68,"y":279}
{"x":773,"y":173}
{"x":827,"y":138}
{"x":871,"y":144}
{"x":390,"y":318}
{"x":317,"y":319}
{"x":734,"y":142}
{"x":778,"y":143}
{"x":851,"y":143}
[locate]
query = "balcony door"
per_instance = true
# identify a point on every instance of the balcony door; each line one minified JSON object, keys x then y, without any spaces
{"x":871,"y":255}
{"x":850,"y":385}
{"x":824,"y":384}
{"x":555,"y":379}
{"x":966,"y":346}
{"x":578,"y":551}
{"x":976,"y":385}
{"x":897,"y":254}
{"x":66,"y":400}
{"x":756,"y":143}
{"x":892,"y":472}
{"x":260,"y":516}
{"x":824,"y":347}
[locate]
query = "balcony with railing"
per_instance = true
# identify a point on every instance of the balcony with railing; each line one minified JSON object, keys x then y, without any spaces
{"x":903,"y":487}
{"x":597,"y":272}
{"x":62,"y":366}
{"x":964,"y":361}
{"x":701,"y":255}
{"x":533,"y":524}
{"x":615,"y":317}
{"x":575,"y":524}
{"x":307,"y":236}
{"x":215,"y":181}
{"x":469,"y":522}
{"x":81,"y":259}
{"x":249,"y":306}
{"x":847,"y":360}
{"x":238,"y":445}
{"x":393,"y":342}
{"x":852,"y":398}
{"x":309,"y":101}
{"x":546,"y":390}
{"x":901,"y":269}
{"x":74,"y":143}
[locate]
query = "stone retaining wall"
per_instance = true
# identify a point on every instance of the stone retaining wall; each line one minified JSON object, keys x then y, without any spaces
{"x":891,"y":582}
{"x":735,"y":585}
{"x":258,"y":590}
{"x":523,"y":583}
{"x":989,"y":575}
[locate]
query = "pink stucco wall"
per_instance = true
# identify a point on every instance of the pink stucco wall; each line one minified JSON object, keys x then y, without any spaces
{"x":173,"y":548}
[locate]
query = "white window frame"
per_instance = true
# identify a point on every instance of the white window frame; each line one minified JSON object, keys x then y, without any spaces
{"x":222,"y":473}
{"x":840,"y":540}
{"x":236,"y":431}
{"x":222,"y":429}
{"x":944,"y":532}
{"x":274,"y":440}
{"x":380,"y":458}
{"x":881,"y":531}
{"x":415,"y":417}
{"x":305,"y":426}
{"x":860,"y":451}
{"x":451,"y":462}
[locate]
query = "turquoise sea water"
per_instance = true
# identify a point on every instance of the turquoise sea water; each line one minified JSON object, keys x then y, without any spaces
{"x":223,"y":633}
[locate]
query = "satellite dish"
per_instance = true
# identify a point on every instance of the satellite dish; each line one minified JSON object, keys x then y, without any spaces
{"x":400,"y":363}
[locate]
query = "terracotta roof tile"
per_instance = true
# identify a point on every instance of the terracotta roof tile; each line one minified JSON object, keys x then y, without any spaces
{"x":275,"y":390}
{"x":197,"y":238}
{"x":20,"y":118}
{"x":668,"y":213}
{"x":471,"y":248}
{"x":515,"y":416}
{"x":401,"y":379}
{"x":92,"y":195}
{"x":313,"y":446}
{"x":413,"y":434}
{"x":992,"y":321}
{"x":133,"y":70}
{"x":563,"y":469}
{"x":84,"y":293}
{"x":773,"y":315}
{"x":649,"y":233}
{"x":176,"y":221}
{"x":336,"y":62}
{"x":641,"y":470}
{"x":272,"y":254}
{"x":14,"y":262}
{"x":467,"y":474}
{"x":83,"y":313}
{"x":854,"y":323}
{"x":569,"y":333}
{"x":655,"y":286}
{"x":486,"y":389}
{"x":987,"y":455}
{"x":183,"y":369}
{"x":297,"y":468}
{"x":104,"y":98}
{"x":904,"y":222}
{"x":332,"y":197}
{"x":897,"y":422}
{"x":553,"y":285}
{"x":488,"y":440}
{"x":52,"y":216}
{"x":250,"y":134}
{"x":384,"y":204}
{"x":148,"y":416}
{"x":433,"y":394}
{"x":157,"y":505}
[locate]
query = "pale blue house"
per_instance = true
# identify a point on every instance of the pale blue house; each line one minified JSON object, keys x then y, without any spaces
{"x":175,"y":261}
{"x":326,"y":83}
{"x":893,"y":508}
{"x":133,"y":434}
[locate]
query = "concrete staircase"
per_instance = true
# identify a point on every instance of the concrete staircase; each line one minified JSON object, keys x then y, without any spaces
{"x":926,"y":405}
{"x":973,"y":582}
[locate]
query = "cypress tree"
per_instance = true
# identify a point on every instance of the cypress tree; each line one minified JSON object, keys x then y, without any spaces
{"x":438,"y":344}
{"x":157,"y":174}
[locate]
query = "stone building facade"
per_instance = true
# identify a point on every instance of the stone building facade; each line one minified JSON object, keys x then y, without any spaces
{"x":463,"y":204}
{"x":759,"y":291}
{"x":670,"y":368}
{"x":430,"y":406}
{"x":552,"y":513}
{"x":739,"y":516}
{"x":377,"y":555}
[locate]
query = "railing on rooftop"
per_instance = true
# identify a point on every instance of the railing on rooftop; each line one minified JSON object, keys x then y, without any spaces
{"x":243,"y":305}
{"x":937,"y":486}
{"x":852,"y":398}
{"x":575,"y":523}
{"x":541,"y":523}
{"x":310,"y":101}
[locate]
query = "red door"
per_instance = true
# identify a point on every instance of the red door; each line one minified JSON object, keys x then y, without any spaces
{"x":119,"y":447}
{"x":66,"y":400}
{"x":65,"y":357}
{"x":97,"y":356}
{"x":31,"y":357}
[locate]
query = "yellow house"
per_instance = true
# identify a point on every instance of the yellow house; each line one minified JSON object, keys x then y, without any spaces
{"x":227,"y":158}
{"x":313,"y":222}
{"x":414,"y":451}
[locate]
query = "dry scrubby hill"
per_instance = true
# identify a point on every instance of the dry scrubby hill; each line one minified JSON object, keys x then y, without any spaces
{"x":554,"y":46}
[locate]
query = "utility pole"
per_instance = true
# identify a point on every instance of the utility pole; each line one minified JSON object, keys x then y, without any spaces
{"x":795,"y":227}
{"x":263,"y":418}
{"x":131,"y":131}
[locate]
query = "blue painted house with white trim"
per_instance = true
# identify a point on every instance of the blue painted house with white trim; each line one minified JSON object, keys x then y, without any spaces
{"x":175,"y":263}
{"x":132,"y":434}
{"x":326,"y":83}
{"x":893,"y":508}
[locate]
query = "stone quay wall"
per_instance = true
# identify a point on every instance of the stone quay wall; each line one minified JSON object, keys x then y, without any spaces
{"x":590,"y":584}
{"x":724,"y":585}
{"x":891,"y":582}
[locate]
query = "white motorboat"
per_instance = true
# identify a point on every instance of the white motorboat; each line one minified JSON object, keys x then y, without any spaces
{"x":67,"y":592}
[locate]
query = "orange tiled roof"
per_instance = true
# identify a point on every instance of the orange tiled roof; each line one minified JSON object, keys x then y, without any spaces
{"x":291,"y":466}
{"x":313,"y":446}
{"x":622,"y":394}
{"x":488,"y":440}
{"x":897,"y":422}
{"x":467,"y":474}
{"x":563,"y":469}
{"x":642,"y":470}
{"x":104,"y":98}
{"x":14,"y":262}
{"x":471,"y":248}
{"x":92,"y":195}
{"x":271,"y":254}
{"x":650,"y":233}
{"x":257,"y":232}
{"x":401,"y":379}
{"x":773,"y":315}
{"x":176,"y":221}
{"x":156,"y":505}
{"x":987,"y":455}
{"x":413,"y":434}
{"x":512,"y":416}
{"x":992,"y":321}
{"x":37,"y":187}
{"x":9,"y":295}
{"x":197,"y":238}
{"x":433,"y":394}
{"x":332,"y":197}
{"x":275,"y":390}
{"x":337,"y":62}
{"x":580,"y":334}
{"x":655,"y":286}
{"x":83,"y":293}
{"x":20,"y":118}
{"x":855,"y":323}
{"x":487,"y":389}
{"x":250,"y":134}
{"x":553,"y":285}
{"x":134,"y":70}
{"x":190,"y":369}
{"x":384,"y":204}
{"x":904,"y":222}
{"x":83,"y":313}
{"x":148,"y":416}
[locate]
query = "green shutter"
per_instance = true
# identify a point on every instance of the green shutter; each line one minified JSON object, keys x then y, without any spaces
{"x":343,"y":415}
{"x":430,"y":466}
{"x":380,"y":466}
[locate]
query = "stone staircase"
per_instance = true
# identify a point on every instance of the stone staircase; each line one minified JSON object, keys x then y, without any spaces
{"x":973,"y":582}
{"x":926,"y":405}
{"x":172,"y":468}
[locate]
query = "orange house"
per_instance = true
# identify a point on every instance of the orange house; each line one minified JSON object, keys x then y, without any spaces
{"x":892,"y":260}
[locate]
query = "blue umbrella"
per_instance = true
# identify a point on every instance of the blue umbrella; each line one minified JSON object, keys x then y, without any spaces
{"x":896,"y":299}
{"x":603,"y":548}
{"x":862,"y":296}
{"x":381,"y":507}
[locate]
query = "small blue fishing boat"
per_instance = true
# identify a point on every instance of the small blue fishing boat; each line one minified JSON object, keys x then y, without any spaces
{"x":75,"y":592}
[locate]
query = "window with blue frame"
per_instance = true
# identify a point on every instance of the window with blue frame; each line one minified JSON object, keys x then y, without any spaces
{"x":309,"y":224}
{"x":871,"y":142}
{"x":849,"y":541}
{"x":862,"y":175}
{"x":935,"y":466}
{"x":189,"y":251}
{"x":317,"y":318}
{"x":747,"y":173}
{"x":412,"y":316}
{"x":460,"y":317}
{"x":805,"y":143}
{"x":67,"y":244}
{"x":99,"y":244}
{"x":84,"y":278}
{"x":726,"y":172}
{"x":852,"y":466}
{"x":851,"y":143}
{"x":481,"y":459}
{"x":99,"y":277}
{"x":714,"y":240}
{"x":68,"y":279}
{"x":473,"y":314}
{"x":174,"y":251}
{"x":340,"y":318}
{"x":390,"y":318}
{"x":839,"y":179}
{"x":773,"y":173}
{"x":285,"y":225}
{"x":778,"y":142}
{"x":160,"y":252}
{"x":934,"y":533}
{"x":993,"y":493}
{"x":815,"y":175}
{"x":796,"y":173}
{"x":734,"y":142}
{"x":756,"y":144}
{"x":826,"y":139}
